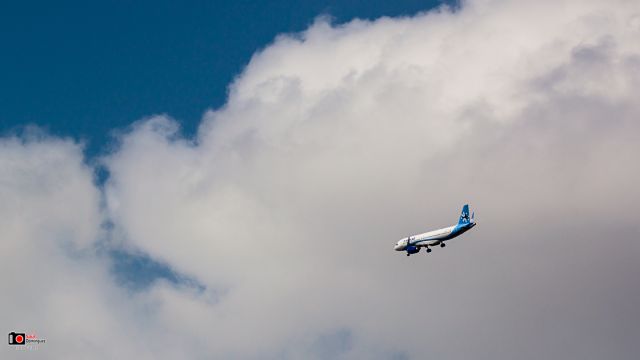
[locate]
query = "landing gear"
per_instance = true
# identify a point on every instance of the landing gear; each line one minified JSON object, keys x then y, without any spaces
{"x":442,"y":245}
{"x":408,"y":254}
{"x":428,"y":250}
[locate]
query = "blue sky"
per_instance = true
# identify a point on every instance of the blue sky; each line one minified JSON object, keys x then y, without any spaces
{"x":85,"y":68}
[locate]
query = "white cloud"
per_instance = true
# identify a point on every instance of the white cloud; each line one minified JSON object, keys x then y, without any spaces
{"x":333,"y":144}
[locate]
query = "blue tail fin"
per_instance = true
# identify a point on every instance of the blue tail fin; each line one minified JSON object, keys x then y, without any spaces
{"x":464,"y":216}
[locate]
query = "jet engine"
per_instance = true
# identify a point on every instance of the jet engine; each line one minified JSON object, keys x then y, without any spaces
{"x":412,"y":249}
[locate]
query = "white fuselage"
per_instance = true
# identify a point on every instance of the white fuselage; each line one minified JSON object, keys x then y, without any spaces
{"x":432,"y":237}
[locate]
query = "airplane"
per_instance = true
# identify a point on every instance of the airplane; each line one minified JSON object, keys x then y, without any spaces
{"x":413,"y":243}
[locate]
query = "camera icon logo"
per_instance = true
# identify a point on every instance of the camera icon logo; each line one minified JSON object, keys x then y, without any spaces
{"x":17,"y":338}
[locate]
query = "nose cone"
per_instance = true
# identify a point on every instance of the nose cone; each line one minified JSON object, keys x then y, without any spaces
{"x":398,"y":247}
